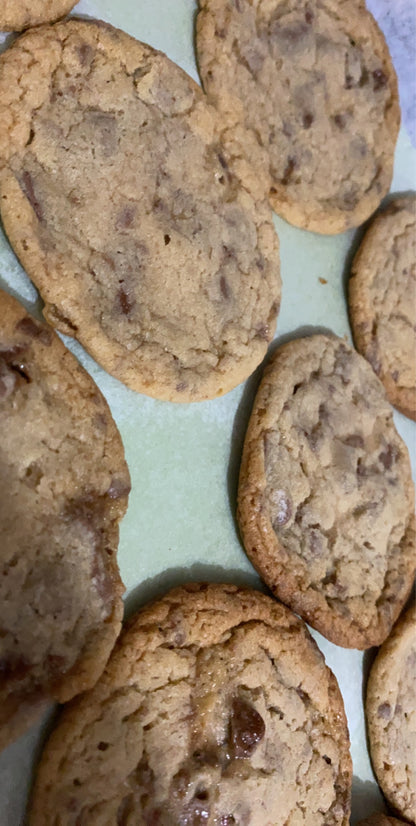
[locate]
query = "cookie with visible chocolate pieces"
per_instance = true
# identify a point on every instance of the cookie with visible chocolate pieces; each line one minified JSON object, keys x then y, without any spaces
{"x":215,"y":707}
{"x":314,"y":81}
{"x":135,"y":211}
{"x":16,"y":15}
{"x":382,"y":300}
{"x":381,"y":820}
{"x":390,"y":713}
{"x":63,"y":489}
{"x":326,"y":498}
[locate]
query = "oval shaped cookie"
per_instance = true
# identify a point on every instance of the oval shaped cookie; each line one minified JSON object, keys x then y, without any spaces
{"x":216,"y":707}
{"x":16,"y":15}
{"x":326,"y":497}
{"x":135,"y":212}
{"x":390,"y":712}
{"x":63,"y":489}
{"x":315,"y":82}
{"x":382,"y":300}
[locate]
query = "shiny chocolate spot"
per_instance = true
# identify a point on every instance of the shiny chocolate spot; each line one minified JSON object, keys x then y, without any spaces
{"x":379,"y":80}
{"x":125,"y":302}
{"x":227,"y":820}
{"x":283,"y":506}
{"x":166,"y":239}
{"x":247,"y":728}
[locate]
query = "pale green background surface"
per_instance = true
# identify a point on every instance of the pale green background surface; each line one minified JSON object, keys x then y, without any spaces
{"x":184,"y":459}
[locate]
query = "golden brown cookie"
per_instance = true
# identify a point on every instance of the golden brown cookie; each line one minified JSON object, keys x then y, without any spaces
{"x":313,"y":79}
{"x":216,"y":707}
{"x":390,"y":713}
{"x":16,"y":15}
{"x":326,"y":496}
{"x":135,"y":211}
{"x":63,"y":489}
{"x":382,"y":299}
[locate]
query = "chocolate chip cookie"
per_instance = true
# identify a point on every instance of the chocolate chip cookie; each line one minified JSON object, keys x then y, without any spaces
{"x":390,"y":712}
{"x":216,"y":707}
{"x":326,"y":495}
{"x":313,"y":79}
{"x":382,"y":298}
{"x":63,"y":489}
{"x":135,"y":212}
{"x":381,"y":820}
{"x":16,"y":15}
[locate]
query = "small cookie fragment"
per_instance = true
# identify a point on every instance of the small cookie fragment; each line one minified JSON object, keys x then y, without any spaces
{"x":315,"y":83}
{"x":390,"y":712}
{"x":382,"y":299}
{"x":16,"y":15}
{"x":135,"y":212}
{"x":63,"y":490}
{"x":326,"y":497}
{"x":381,"y":820}
{"x":216,"y":707}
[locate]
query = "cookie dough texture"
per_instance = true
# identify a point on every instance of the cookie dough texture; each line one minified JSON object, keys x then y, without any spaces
{"x":325,"y":494}
{"x":216,"y":707}
{"x":391,"y":716}
{"x":63,"y":489}
{"x":315,"y":83}
{"x":135,"y":211}
{"x":382,"y":298}
{"x":381,"y":820}
{"x":16,"y":15}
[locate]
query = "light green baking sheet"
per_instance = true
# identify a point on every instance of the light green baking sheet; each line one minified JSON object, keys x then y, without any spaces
{"x":184,"y":459}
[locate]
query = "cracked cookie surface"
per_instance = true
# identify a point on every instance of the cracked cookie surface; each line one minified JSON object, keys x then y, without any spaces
{"x":63,"y":489}
{"x":382,"y":299}
{"x":326,"y":495}
{"x":215,"y":708}
{"x":135,"y":212}
{"x":16,"y":15}
{"x":315,"y":83}
{"x":391,"y":716}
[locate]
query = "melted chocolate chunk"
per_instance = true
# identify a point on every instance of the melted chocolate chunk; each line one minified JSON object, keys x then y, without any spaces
{"x":379,"y":80}
{"x":118,"y":489}
{"x":247,"y":728}
{"x":29,"y":190}
{"x":31,"y":328}
{"x":355,"y":440}
{"x":85,"y":54}
{"x":125,"y":302}
{"x":388,"y":456}
{"x":384,"y":711}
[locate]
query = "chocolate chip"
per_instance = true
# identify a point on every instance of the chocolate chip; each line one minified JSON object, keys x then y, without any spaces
{"x":247,"y":728}
{"x":166,"y":239}
{"x":85,"y":54}
{"x":125,"y":809}
{"x":141,"y":71}
{"x":327,"y":759}
{"x":360,"y":510}
{"x":13,"y":669}
{"x":29,"y":190}
{"x":364,"y":77}
{"x":225,"y":287}
{"x":307,"y":120}
{"x":340,"y":121}
{"x":125,"y":302}
{"x":388,"y":456}
{"x":355,"y":440}
{"x":31,"y":328}
{"x":118,"y":489}
{"x":126,"y":217}
{"x":308,"y":16}
{"x":289,"y":169}
{"x":384,"y":711}
{"x":227,"y":820}
{"x":105,"y":126}
{"x":302,"y":694}
{"x":348,"y":81}
{"x":102,"y":746}
{"x":222,"y":160}
{"x":181,"y":386}
{"x":379,"y":80}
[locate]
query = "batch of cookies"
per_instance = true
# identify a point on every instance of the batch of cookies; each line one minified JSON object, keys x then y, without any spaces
{"x":141,"y":208}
